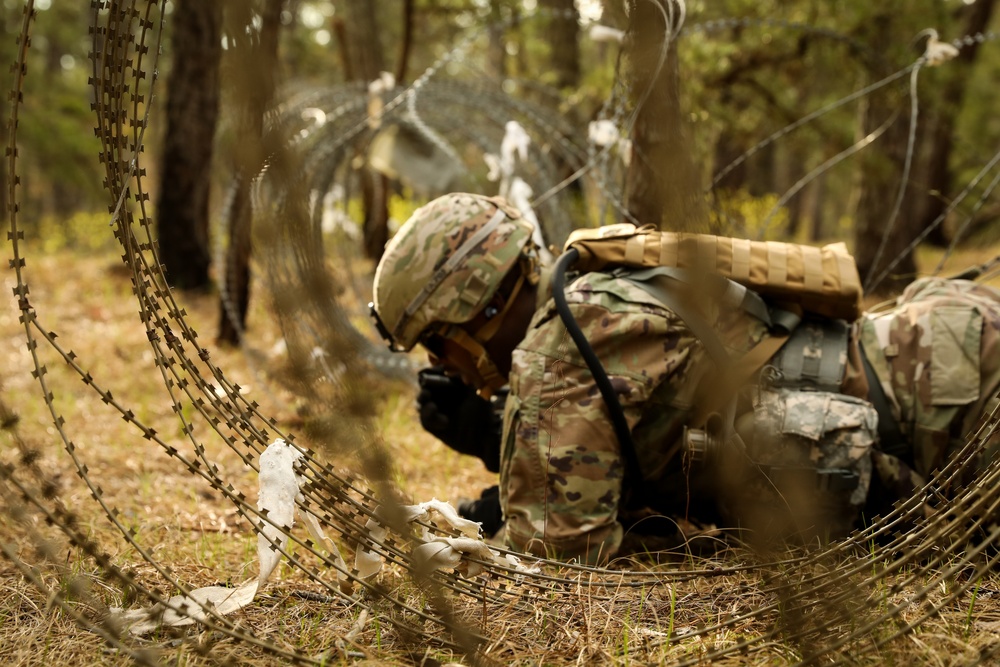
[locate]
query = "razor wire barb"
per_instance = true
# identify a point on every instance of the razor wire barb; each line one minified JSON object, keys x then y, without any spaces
{"x":819,"y":586}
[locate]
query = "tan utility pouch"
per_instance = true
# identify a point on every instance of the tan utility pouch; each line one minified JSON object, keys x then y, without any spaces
{"x":822,"y":280}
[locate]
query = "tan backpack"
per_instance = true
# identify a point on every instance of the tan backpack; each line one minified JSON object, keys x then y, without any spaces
{"x":823,"y":280}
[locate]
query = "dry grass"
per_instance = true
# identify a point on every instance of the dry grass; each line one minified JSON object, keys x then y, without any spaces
{"x":65,"y":563}
{"x":200,"y":536}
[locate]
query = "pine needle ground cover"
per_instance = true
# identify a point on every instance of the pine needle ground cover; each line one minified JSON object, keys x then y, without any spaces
{"x":197,"y":534}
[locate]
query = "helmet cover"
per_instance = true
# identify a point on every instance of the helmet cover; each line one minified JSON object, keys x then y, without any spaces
{"x":445,"y":264}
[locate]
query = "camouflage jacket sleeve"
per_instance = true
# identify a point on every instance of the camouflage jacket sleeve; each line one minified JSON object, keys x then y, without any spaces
{"x":562,"y":470}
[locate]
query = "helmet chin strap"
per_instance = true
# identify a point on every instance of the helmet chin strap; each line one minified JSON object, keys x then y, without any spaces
{"x":488,"y":330}
{"x":475,"y":343}
{"x":488,"y":372}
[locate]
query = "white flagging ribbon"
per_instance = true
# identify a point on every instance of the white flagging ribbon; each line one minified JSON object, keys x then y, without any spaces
{"x":280,"y":486}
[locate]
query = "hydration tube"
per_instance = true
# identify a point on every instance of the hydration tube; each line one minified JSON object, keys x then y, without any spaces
{"x":618,"y":421}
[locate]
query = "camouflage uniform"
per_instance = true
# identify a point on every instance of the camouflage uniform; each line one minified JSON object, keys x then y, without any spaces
{"x":936,"y":352}
{"x":561,"y":469}
{"x":562,"y":474}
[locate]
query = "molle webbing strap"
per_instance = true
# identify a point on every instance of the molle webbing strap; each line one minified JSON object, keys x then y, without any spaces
{"x":635,"y":249}
{"x":708,"y":249}
{"x":777,"y":263}
{"x":668,"y":254}
{"x":847,"y":268}
{"x":812,"y":261}
{"x":822,"y":280}
{"x":741,"y":260}
{"x":710,"y":285}
{"x":834,"y":361}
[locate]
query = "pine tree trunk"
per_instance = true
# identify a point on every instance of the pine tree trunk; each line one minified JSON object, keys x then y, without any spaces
{"x":186,"y":163}
{"x":664,"y":185}
{"x":949,"y":99}
{"x":563,"y":30}
{"x":883,"y":243}
{"x":364,"y":52}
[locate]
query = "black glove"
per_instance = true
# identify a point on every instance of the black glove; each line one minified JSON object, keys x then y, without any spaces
{"x":486,"y":510}
{"x":451,"y":411}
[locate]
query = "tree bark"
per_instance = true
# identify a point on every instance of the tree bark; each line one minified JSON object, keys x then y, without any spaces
{"x":364,"y":47}
{"x":933,"y":199}
{"x":563,"y":31}
{"x":406,"y":43}
{"x":877,"y":246}
{"x":496,"y":50}
{"x":664,"y":184}
{"x":256,"y":82}
{"x":192,"y":111}
{"x":363,"y":50}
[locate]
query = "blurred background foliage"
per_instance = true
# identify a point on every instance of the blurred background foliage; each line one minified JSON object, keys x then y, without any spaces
{"x":745,"y":70}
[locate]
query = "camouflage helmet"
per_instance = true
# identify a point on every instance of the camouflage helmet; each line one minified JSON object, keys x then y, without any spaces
{"x":445,"y":264}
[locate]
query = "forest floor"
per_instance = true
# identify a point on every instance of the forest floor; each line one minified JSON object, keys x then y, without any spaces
{"x":86,"y":299}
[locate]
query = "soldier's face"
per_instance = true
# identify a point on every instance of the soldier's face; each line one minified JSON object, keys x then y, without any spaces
{"x":458,"y":361}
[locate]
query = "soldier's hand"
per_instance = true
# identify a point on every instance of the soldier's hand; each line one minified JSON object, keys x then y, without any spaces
{"x":451,"y":411}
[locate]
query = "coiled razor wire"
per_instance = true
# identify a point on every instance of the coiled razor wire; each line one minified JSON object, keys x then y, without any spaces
{"x":832,"y":605}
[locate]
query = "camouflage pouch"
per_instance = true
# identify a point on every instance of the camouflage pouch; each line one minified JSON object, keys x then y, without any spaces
{"x":810,"y":464}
